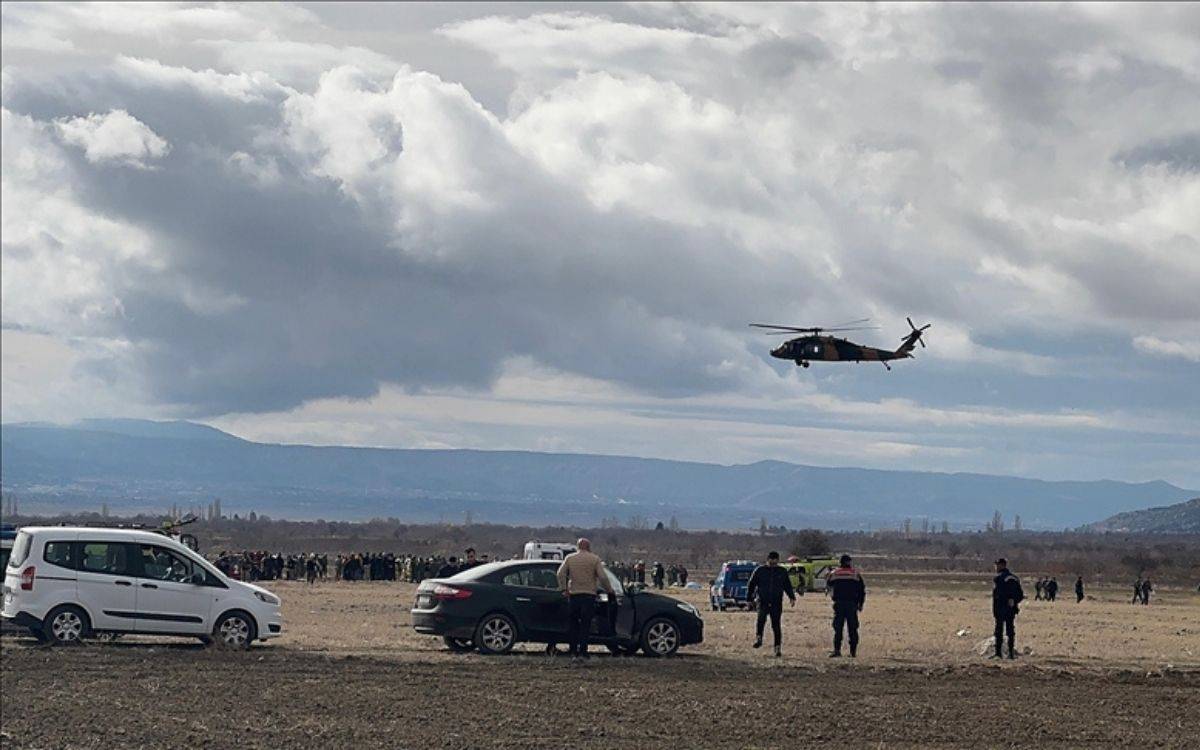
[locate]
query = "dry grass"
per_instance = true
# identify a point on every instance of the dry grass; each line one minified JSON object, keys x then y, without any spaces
{"x":909,"y":620}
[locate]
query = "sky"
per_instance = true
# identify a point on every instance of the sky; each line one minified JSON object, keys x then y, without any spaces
{"x":546,"y":227}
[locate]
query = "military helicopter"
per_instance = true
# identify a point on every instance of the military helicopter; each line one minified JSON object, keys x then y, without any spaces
{"x":814,"y":347}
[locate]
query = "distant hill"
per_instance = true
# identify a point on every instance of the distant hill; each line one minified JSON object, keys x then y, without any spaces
{"x":1171,"y":519}
{"x":135,"y":465}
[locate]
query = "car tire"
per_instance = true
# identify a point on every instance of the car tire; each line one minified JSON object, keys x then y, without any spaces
{"x":66,"y":625}
{"x":660,"y":637}
{"x":235,"y":630}
{"x":496,"y":634}
{"x":458,"y":645}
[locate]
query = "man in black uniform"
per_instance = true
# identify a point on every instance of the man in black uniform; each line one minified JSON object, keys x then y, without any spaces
{"x":1052,"y":590}
{"x":771,"y":582}
{"x":846,"y":588}
{"x":1078,"y":589}
{"x":1006,"y":599}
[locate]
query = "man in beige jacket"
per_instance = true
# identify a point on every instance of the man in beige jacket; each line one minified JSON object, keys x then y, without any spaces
{"x":580,"y":576}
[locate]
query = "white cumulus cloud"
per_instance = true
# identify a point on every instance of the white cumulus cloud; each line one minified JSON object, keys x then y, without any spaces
{"x":115,"y":136}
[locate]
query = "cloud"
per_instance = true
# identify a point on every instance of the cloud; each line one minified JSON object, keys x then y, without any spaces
{"x":1188,"y":350}
{"x":116,"y":136}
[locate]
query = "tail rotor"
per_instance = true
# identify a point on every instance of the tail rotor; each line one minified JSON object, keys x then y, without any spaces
{"x":915,"y":336}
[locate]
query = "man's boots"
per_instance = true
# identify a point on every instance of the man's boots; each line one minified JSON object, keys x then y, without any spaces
{"x":778,"y":651}
{"x":758,"y":642}
{"x":854,"y":651}
{"x":1012,"y":651}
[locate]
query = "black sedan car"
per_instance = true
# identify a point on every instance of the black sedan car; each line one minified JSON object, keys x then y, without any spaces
{"x":495,"y":606}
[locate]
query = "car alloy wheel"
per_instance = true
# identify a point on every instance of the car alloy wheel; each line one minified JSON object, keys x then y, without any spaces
{"x":234,"y":632}
{"x":66,"y":627}
{"x":496,"y":635}
{"x":661,"y":638}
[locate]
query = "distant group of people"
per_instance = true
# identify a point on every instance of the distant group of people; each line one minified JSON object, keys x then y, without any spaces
{"x":1142,"y":588}
{"x":660,"y":576}
{"x":260,"y":565}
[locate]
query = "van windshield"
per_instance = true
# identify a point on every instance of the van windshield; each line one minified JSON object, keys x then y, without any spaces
{"x":20,"y":550}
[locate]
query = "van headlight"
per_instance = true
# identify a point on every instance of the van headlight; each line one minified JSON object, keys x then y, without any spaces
{"x":688,"y":608}
{"x":267,"y":598}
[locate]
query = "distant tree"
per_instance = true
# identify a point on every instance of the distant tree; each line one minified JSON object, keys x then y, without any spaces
{"x":925,"y":527}
{"x":658,"y":526}
{"x":253,"y":516}
{"x":997,"y":524}
{"x":762,"y":527}
{"x":907,"y":528}
{"x":810,"y":543}
{"x":953,"y":550}
{"x":1017,"y":522}
{"x":468,"y":518}
{"x":638,"y":522}
{"x":673,"y":524}
{"x":945,"y":527}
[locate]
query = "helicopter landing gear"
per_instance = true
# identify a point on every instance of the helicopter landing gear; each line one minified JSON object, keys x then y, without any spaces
{"x":802,"y":363}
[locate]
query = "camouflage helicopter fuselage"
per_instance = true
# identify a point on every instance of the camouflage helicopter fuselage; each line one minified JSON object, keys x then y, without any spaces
{"x":817,"y":348}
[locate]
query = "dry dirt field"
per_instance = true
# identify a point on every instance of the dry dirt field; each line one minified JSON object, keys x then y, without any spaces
{"x":349,"y":672}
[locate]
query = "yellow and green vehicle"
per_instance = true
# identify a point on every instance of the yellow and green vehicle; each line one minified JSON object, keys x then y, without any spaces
{"x":808,"y":574}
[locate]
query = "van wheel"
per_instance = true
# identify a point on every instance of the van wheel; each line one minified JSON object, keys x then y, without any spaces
{"x":458,"y":645}
{"x":496,"y":634}
{"x":660,"y":637}
{"x":235,"y":630}
{"x":66,"y":624}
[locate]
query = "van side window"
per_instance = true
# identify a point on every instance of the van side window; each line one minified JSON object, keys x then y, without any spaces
{"x":104,"y":557}
{"x":61,"y":554}
{"x":162,"y":564}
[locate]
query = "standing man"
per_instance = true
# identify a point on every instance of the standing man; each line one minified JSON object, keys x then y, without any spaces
{"x":1037,"y":589}
{"x":1137,"y":591}
{"x":470,"y":560}
{"x":659,"y":574}
{"x":580,"y":576}
{"x":771,"y":582}
{"x":1078,"y":589}
{"x":1006,"y":600}
{"x":1146,"y":589}
{"x":846,"y":588}
{"x":1052,"y":589}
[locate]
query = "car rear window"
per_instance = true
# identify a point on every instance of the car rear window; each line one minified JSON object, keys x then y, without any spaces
{"x":740,"y":575}
{"x":20,"y":550}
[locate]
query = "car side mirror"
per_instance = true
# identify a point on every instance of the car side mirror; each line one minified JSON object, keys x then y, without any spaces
{"x":198,"y":579}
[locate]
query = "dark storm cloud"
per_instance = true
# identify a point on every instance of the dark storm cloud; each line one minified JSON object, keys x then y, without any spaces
{"x":1180,"y":153}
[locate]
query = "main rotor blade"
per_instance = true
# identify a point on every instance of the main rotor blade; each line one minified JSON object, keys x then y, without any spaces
{"x":785,"y":328}
{"x":860,"y":321}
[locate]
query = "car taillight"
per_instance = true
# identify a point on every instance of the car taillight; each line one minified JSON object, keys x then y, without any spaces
{"x":27,"y":578}
{"x":442,"y":591}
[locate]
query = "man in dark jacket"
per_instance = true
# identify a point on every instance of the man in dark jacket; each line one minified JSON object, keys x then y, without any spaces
{"x":1006,"y":599}
{"x":846,"y":588}
{"x":770,"y":582}
{"x":1078,"y":589}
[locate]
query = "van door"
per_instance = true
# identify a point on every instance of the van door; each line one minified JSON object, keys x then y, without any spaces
{"x":168,"y":601}
{"x":104,"y":584}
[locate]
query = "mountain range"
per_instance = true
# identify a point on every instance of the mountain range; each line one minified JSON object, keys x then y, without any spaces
{"x":1179,"y":518}
{"x":136,"y":465}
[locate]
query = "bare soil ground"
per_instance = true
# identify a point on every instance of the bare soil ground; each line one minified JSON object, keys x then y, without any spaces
{"x":350,"y":672}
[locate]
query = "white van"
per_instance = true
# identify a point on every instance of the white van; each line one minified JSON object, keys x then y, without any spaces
{"x":548,"y":550}
{"x":66,"y":583}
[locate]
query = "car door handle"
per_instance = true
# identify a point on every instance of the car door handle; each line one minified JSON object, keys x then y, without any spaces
{"x":149,"y":586}
{"x":123,"y":583}
{"x":523,"y":599}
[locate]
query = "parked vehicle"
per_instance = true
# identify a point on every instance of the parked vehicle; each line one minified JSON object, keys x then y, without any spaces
{"x":729,"y":587}
{"x":67,"y":583}
{"x":547,"y":550}
{"x":809,"y":574}
{"x":493,"y":607}
{"x":8,"y":534}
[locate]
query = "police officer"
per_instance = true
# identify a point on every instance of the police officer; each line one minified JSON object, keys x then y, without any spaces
{"x":1006,"y":599}
{"x":771,"y":582}
{"x":846,"y":588}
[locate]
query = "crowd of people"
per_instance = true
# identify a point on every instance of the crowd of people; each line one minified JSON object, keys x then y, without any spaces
{"x":261,"y":565}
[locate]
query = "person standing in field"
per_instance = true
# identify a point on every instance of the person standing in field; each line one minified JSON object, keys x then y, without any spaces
{"x":1037,"y":589}
{"x":1078,"y":589}
{"x":770,"y":582}
{"x":849,"y":593}
{"x":1146,"y":589}
{"x":1006,"y":601}
{"x":580,"y":576}
{"x":1137,"y":591}
{"x":1052,"y":589}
